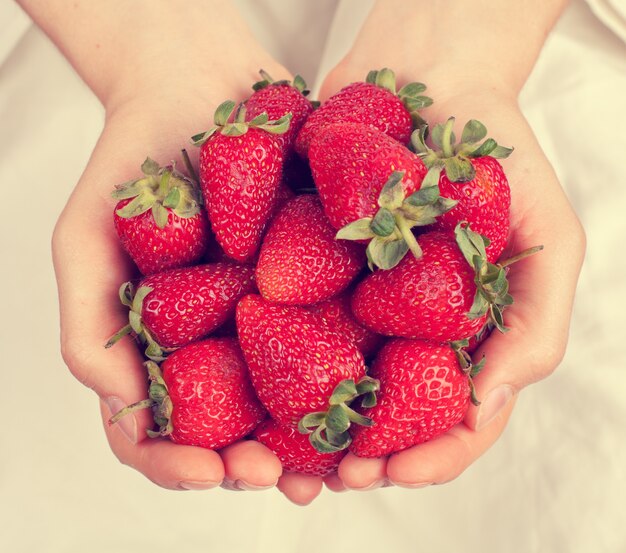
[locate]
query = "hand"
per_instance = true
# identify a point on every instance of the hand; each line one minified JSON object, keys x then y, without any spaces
{"x":543,"y":285}
{"x":170,"y":96}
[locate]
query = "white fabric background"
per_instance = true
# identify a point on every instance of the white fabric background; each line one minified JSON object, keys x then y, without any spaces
{"x":555,"y":482}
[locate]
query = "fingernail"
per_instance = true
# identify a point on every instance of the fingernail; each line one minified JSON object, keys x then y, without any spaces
{"x":413,"y":485}
{"x":197,"y":485}
{"x":128,"y":423}
{"x":243,"y":485}
{"x":495,"y":401}
{"x":373,"y":486}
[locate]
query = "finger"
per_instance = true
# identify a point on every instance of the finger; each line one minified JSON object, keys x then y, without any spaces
{"x":171,"y":466}
{"x":300,"y":489}
{"x":543,"y":288}
{"x":334,"y":483}
{"x":446,"y":457}
{"x":360,"y":473}
{"x":250,"y":466}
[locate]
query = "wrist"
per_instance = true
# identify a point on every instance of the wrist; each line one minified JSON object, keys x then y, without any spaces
{"x":455,"y":43}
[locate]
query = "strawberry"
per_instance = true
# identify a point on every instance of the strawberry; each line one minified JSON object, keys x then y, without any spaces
{"x":373,"y":102}
{"x":201,"y":395}
{"x":277,"y":99}
{"x":469,"y":173}
{"x":337,"y":314}
{"x":179,"y":306}
{"x":448,"y":294}
{"x":159,"y":219}
{"x":425,"y":389}
{"x":300,"y":261}
{"x":304,"y":373}
{"x":371,"y":188}
{"x":294,"y":449}
{"x":240,"y":171}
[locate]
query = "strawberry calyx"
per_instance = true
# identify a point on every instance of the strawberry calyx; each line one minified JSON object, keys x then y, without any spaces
{"x":133,"y":299}
{"x":492,"y":287}
{"x":158,"y":400}
{"x":328,"y":430}
{"x":467,"y":366}
{"x":455,"y":159}
{"x":389,"y":231}
{"x":161,"y":189}
{"x":230,"y":120}
{"x":410,"y":94}
{"x":266,"y":80}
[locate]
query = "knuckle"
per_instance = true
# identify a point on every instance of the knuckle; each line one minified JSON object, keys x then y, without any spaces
{"x":78,"y":361}
{"x":545,"y":358}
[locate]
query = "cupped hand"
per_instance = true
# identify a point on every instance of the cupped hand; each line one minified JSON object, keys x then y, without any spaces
{"x":542,"y":285}
{"x":155,"y":121}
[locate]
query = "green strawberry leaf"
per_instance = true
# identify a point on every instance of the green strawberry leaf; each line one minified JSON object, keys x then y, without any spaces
{"x":311,"y":421}
{"x":357,"y":230}
{"x":392,"y":194}
{"x":459,"y":169}
{"x":383,"y":223}
{"x":345,"y":391}
{"x":386,"y":254}
{"x":473,"y":132}
{"x":337,"y":419}
{"x":426,"y":195}
{"x":223,"y":113}
{"x":172,"y":199}
{"x":411,"y":90}
{"x":160,"y":215}
{"x":150,"y":167}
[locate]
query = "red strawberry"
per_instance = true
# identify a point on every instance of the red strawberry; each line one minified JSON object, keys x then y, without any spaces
{"x":337,"y":313}
{"x":294,"y":449}
{"x":373,"y":102}
{"x":203,"y":396}
{"x":435,"y":297}
{"x":177,"y":307}
{"x":159,"y":220}
{"x":240,"y":172}
{"x":303,"y":372}
{"x":425,"y":390}
{"x":300,"y":261}
{"x":277,"y":99}
{"x":470,"y":174}
{"x":371,"y":188}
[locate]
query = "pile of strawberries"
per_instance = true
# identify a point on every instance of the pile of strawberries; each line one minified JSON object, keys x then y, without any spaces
{"x":318,"y":285}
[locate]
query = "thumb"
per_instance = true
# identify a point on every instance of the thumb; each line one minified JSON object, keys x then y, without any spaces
{"x":543,"y":288}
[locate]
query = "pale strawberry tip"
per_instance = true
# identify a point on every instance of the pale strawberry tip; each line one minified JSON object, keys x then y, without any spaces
{"x":328,"y":430}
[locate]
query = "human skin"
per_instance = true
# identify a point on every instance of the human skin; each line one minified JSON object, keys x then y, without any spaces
{"x":475,"y":57}
{"x":157,"y":90}
{"x":163,"y":86}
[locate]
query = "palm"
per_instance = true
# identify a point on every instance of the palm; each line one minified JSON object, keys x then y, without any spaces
{"x":542,"y":287}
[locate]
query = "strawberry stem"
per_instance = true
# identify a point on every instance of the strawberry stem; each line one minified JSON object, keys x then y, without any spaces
{"x":118,"y":336}
{"x":188,"y":165}
{"x":138,"y":406}
{"x":521,"y":255}
{"x":446,"y":138}
{"x":405,"y":229}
